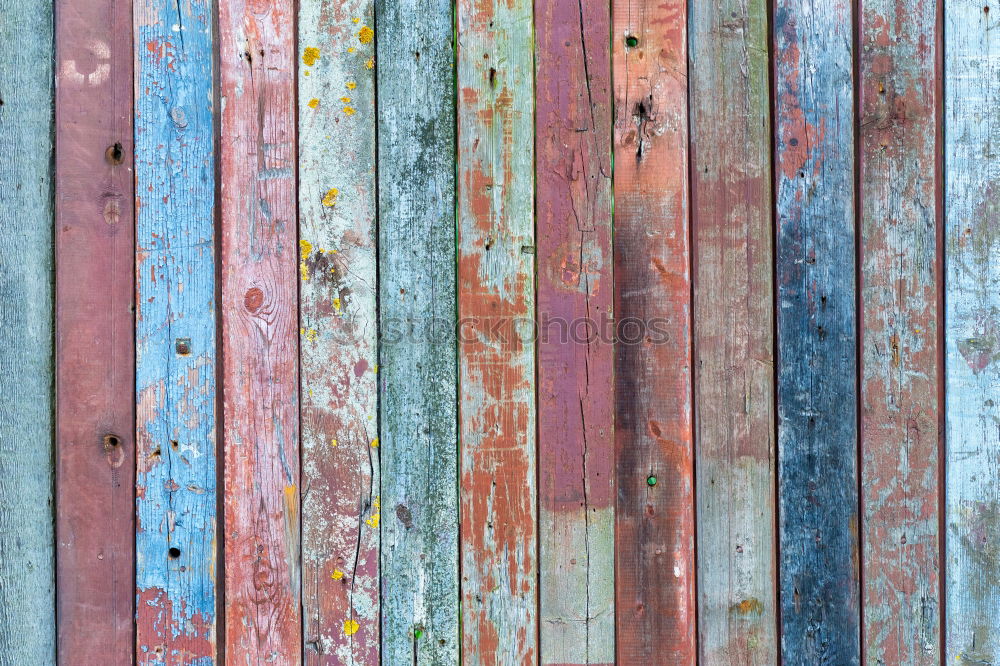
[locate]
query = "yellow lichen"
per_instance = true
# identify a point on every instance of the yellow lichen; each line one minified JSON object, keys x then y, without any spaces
{"x":336,"y":304}
{"x":375,"y":368}
{"x":313,"y":103}
{"x":330,"y":198}
{"x":350,"y":627}
{"x":366,"y":34}
{"x":333,"y":442}
{"x":350,"y":49}
{"x":370,"y":64}
{"x":337,"y":574}
{"x":312,"y":334}
{"x":373,"y":521}
{"x":310,"y":55}
{"x":306,"y":73}
{"x":351,"y":85}
{"x":306,"y":248}
{"x":345,"y":100}
{"x":375,"y":443}
{"x":349,"y":110}
{"x":355,"y":20}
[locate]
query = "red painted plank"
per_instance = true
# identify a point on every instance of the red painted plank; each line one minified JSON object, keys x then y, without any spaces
{"x":95,"y":465}
{"x":654,"y":547}
{"x":259,"y":311}
{"x":575,"y":365}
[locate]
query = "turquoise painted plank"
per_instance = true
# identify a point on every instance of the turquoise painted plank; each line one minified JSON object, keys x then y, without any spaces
{"x":972,"y":330}
{"x":27,"y":558}
{"x":175,"y":334}
{"x":417,"y":367}
{"x":817,"y":332}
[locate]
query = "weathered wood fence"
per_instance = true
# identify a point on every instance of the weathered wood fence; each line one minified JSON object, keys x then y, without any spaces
{"x":499,"y":332}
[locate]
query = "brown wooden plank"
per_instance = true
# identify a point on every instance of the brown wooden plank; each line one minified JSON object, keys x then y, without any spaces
{"x":259,"y":312}
{"x":733,"y":331}
{"x":95,"y":419}
{"x":575,"y":365}
{"x":654,"y":527}
{"x":496,"y":271}
{"x":900,"y":411}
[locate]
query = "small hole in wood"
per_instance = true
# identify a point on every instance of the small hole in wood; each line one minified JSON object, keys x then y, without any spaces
{"x":114,"y":154}
{"x":174,"y":553}
{"x":173,"y":443}
{"x":111,"y":441}
{"x":631,"y":41}
{"x":986,"y":9}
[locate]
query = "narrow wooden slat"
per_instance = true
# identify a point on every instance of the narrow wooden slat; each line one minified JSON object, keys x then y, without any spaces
{"x":260,"y":351}
{"x":733,"y":332}
{"x":575,"y":350}
{"x":175,"y":333}
{"x":417,"y":372}
{"x":817,"y":332}
{"x":899,"y":299}
{"x":496,"y":276}
{"x":27,"y":538}
{"x":972,"y":333}
{"x":95,"y":342}
{"x":654,"y":528}
{"x":337,"y":320}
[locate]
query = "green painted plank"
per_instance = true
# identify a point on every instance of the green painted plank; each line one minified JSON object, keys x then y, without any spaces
{"x":27,"y":558}
{"x":417,"y":366}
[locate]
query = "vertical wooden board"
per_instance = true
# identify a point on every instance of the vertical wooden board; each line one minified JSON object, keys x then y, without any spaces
{"x":27,"y":538}
{"x":733,"y":331}
{"x":575,"y":349}
{"x":972,"y":332}
{"x":816,"y":329}
{"x":654,"y":520}
{"x":95,"y":336}
{"x":899,"y":299}
{"x":175,"y":333}
{"x":496,"y":277}
{"x":417,"y":311}
{"x":260,"y":350}
{"x":338,"y":328}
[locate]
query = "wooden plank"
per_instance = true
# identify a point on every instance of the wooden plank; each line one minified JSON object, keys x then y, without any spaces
{"x":733,"y":332}
{"x":259,"y":344}
{"x":899,"y":299}
{"x":972,"y":333}
{"x":338,"y":327}
{"x":575,"y":363}
{"x":95,"y":341}
{"x":816,"y":329}
{"x":496,"y":273}
{"x":654,"y":528}
{"x":27,"y":537}
{"x":175,"y":333}
{"x":417,"y":371}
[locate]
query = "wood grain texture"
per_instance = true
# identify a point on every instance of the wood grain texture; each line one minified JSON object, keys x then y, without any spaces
{"x":259,"y":299}
{"x":496,"y":279}
{"x":899,"y":298}
{"x":175,"y":334}
{"x":338,"y":328}
{"x":733,"y":332}
{"x":95,"y":336}
{"x":972,"y":334}
{"x":654,"y":520}
{"x":27,"y":535}
{"x":817,"y":332}
{"x":417,"y":308}
{"x":575,"y":350}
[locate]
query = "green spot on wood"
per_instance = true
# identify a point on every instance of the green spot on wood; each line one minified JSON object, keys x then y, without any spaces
{"x":651,"y":480}
{"x":632,"y":41}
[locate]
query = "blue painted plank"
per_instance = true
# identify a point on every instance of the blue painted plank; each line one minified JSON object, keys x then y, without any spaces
{"x":817,"y":332}
{"x":417,"y":357}
{"x":27,"y":558}
{"x":175,"y":334}
{"x":972,"y":330}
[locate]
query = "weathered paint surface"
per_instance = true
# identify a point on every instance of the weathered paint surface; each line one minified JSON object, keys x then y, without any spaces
{"x":972,"y":316}
{"x":733,"y":331}
{"x":899,"y":297}
{"x":27,"y":539}
{"x":417,"y":366}
{"x":95,"y":337}
{"x":496,"y":277}
{"x":175,"y":334}
{"x":654,"y":529}
{"x":260,"y":259}
{"x":338,"y":328}
{"x":575,"y":357}
{"x":816,"y":328}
